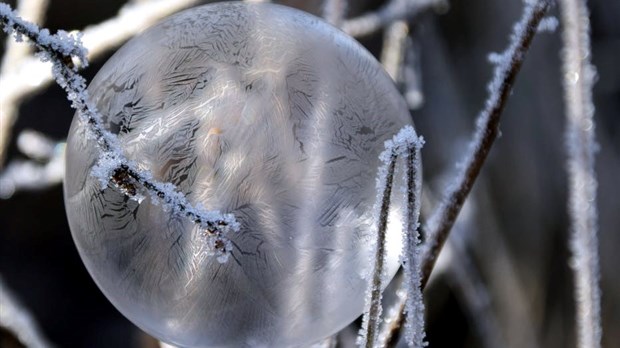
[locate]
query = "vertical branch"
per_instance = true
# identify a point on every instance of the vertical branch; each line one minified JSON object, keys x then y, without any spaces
{"x":412,"y":79}
{"x":334,"y":11}
{"x":393,"y":51}
{"x":508,"y":65}
{"x":580,"y":143}
{"x":406,"y":143}
{"x":413,"y":283}
{"x":370,"y":327}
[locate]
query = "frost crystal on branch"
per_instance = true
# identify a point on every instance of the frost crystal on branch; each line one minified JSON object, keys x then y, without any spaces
{"x":405,"y":144}
{"x":62,"y":50}
{"x":507,"y":65}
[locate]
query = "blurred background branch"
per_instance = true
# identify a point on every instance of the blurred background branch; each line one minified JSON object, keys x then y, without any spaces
{"x":581,"y":146}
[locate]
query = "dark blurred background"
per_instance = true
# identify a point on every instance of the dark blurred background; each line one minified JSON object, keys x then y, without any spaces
{"x":505,"y":279}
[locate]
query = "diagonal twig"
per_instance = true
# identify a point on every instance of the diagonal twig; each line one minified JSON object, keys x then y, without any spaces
{"x":30,"y":74}
{"x":113,"y":168}
{"x":439,"y":225}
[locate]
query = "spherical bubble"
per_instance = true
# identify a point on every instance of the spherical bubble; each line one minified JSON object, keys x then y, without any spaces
{"x":256,"y":110}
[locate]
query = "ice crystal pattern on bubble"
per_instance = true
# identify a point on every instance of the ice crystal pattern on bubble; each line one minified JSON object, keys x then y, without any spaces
{"x":250,"y":109}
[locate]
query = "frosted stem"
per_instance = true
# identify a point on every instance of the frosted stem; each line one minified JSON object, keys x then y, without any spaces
{"x":34,"y":11}
{"x":441,"y":222}
{"x":415,"y":303}
{"x":580,"y":143}
{"x":28,"y":74}
{"x":406,"y":143}
{"x":373,"y":316}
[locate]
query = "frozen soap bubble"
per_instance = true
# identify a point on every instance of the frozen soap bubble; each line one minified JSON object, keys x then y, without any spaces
{"x":252,"y":109}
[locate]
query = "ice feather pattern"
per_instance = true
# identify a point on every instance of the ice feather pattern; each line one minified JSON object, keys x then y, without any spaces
{"x":251,"y":109}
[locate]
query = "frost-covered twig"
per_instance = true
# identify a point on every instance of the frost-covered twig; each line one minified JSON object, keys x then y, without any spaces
{"x":30,"y":74}
{"x":581,"y":146}
{"x":405,"y":144}
{"x":394,"y":10}
{"x":34,"y":11}
{"x":16,"y":319}
{"x":506,"y":70}
{"x":412,"y":259}
{"x":63,"y":50}
{"x":372,"y":316}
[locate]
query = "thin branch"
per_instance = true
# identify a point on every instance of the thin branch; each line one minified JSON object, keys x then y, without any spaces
{"x":32,"y":75}
{"x":581,"y":147}
{"x":34,"y":11}
{"x":412,"y":75}
{"x":334,"y":11}
{"x":63,"y":50}
{"x":16,"y":318}
{"x":412,"y":260}
{"x":466,"y":280}
{"x":405,"y":144}
{"x":393,"y":321}
{"x":372,"y":318}
{"x":394,"y":10}
{"x":441,"y":222}
{"x":393,"y":51}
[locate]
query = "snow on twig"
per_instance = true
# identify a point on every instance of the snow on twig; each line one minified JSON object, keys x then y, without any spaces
{"x":405,"y":144}
{"x":581,"y":147}
{"x":34,"y":11}
{"x":30,"y":74}
{"x":507,"y":67}
{"x":64,"y":51}
{"x":414,"y":325}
